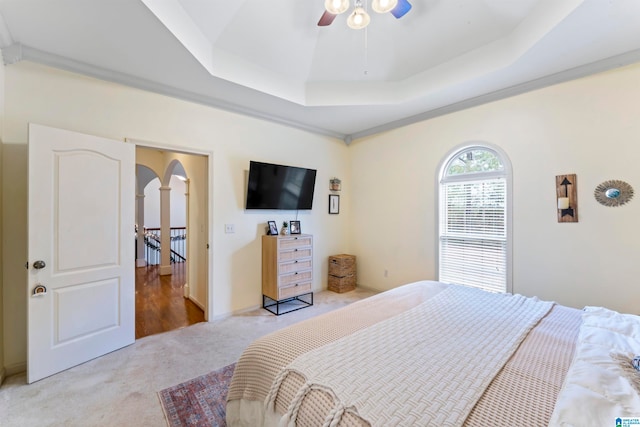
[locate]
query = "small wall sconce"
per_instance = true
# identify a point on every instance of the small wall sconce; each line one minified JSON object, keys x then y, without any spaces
{"x":567,"y":198}
{"x":335,"y":184}
{"x":563,"y":203}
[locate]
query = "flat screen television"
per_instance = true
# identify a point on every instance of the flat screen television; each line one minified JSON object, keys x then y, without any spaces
{"x":273,"y":186}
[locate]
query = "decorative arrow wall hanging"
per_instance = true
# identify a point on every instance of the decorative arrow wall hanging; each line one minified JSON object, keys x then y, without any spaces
{"x":567,"y":197}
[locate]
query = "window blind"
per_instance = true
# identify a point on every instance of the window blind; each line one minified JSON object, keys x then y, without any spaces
{"x":473,"y":240}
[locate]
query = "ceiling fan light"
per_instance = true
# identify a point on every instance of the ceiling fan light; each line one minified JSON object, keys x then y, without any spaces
{"x":336,"y":6}
{"x":358,"y":19}
{"x":383,"y":6}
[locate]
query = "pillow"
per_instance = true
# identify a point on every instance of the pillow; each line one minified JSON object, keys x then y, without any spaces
{"x":602,"y":383}
{"x":629,"y":369}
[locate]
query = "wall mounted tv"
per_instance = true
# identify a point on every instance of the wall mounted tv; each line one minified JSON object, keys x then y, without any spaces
{"x":280,"y":187}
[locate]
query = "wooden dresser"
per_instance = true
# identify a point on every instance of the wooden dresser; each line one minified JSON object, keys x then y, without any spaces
{"x":287,"y":272}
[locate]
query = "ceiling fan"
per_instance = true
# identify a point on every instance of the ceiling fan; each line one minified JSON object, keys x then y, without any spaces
{"x":359,"y":18}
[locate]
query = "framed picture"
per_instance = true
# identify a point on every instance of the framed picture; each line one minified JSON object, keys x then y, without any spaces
{"x":294,"y":227}
{"x":273,"y":228}
{"x":334,"y":203}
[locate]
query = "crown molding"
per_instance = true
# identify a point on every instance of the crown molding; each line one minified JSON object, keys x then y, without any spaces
{"x":5,"y":34}
{"x":12,"y":54}
{"x":550,"y":80}
{"x":16,"y":52}
{"x":19,"y":52}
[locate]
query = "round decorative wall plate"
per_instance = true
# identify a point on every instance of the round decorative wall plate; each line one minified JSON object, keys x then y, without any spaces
{"x":613,"y":193}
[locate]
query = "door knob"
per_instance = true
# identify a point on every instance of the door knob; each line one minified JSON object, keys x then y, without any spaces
{"x":39,"y":264}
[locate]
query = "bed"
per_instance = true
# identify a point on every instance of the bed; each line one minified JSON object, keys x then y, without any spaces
{"x":429,"y":353}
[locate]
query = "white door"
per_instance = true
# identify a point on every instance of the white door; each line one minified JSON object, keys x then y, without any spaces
{"x":81,"y":280}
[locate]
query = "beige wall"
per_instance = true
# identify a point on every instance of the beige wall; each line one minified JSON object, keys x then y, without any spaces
{"x":388,"y":203}
{"x":589,"y":127}
{"x":55,"y":98}
{"x":1,"y":240}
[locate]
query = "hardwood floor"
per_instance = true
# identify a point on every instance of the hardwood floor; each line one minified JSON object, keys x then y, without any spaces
{"x":160,"y":305}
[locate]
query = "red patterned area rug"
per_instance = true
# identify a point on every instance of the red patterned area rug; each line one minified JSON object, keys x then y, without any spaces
{"x":201,"y":401}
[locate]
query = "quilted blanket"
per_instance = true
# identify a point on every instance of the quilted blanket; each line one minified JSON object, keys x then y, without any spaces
{"x":524,"y":392}
{"x":424,"y":378}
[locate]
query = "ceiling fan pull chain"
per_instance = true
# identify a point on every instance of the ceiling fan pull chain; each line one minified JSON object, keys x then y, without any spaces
{"x":366,"y":51}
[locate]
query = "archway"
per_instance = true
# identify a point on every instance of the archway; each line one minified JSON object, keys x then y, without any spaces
{"x":163,"y":300}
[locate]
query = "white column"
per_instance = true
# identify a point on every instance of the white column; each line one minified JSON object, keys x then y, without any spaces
{"x":186,"y":289}
{"x":165,"y":231}
{"x":140,"y":249}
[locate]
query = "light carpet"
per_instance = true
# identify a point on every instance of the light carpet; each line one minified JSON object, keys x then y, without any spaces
{"x":121,"y":388}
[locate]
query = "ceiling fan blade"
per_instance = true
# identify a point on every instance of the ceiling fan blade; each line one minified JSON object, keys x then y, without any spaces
{"x":401,"y":8}
{"x":327,"y":18}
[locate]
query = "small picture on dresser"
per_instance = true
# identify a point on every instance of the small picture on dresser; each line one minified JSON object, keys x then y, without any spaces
{"x":273,"y":228}
{"x":295,"y":227}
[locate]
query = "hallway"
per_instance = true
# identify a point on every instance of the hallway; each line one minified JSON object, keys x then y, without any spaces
{"x":160,"y":305}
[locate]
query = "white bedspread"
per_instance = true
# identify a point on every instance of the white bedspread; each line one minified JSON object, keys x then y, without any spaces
{"x":599,"y":387}
{"x":427,"y":366}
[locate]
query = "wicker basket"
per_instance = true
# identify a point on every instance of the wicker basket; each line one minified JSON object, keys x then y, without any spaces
{"x":342,"y":265}
{"x":342,"y":273}
{"x":342,"y":284}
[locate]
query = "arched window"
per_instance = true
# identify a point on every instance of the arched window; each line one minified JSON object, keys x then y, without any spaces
{"x":475,"y":219}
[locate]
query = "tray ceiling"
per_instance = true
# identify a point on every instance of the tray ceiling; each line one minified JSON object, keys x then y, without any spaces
{"x":269,"y":59}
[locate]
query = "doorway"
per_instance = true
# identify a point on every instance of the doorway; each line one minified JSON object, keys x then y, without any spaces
{"x":171,"y":273}
{"x":160,"y":302}
{"x":90,"y":197}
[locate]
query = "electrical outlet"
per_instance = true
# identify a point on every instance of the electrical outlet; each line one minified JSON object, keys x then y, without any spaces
{"x":229,"y":228}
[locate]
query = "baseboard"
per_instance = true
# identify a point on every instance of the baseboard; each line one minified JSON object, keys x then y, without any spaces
{"x":234,"y":313}
{"x":366,"y":288}
{"x":165,"y":270}
{"x":16,"y":368}
{"x":140,"y":262}
{"x":185,"y":290}
{"x":196,"y":302}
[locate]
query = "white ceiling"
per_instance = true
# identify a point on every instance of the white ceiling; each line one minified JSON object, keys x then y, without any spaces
{"x":269,"y":59}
